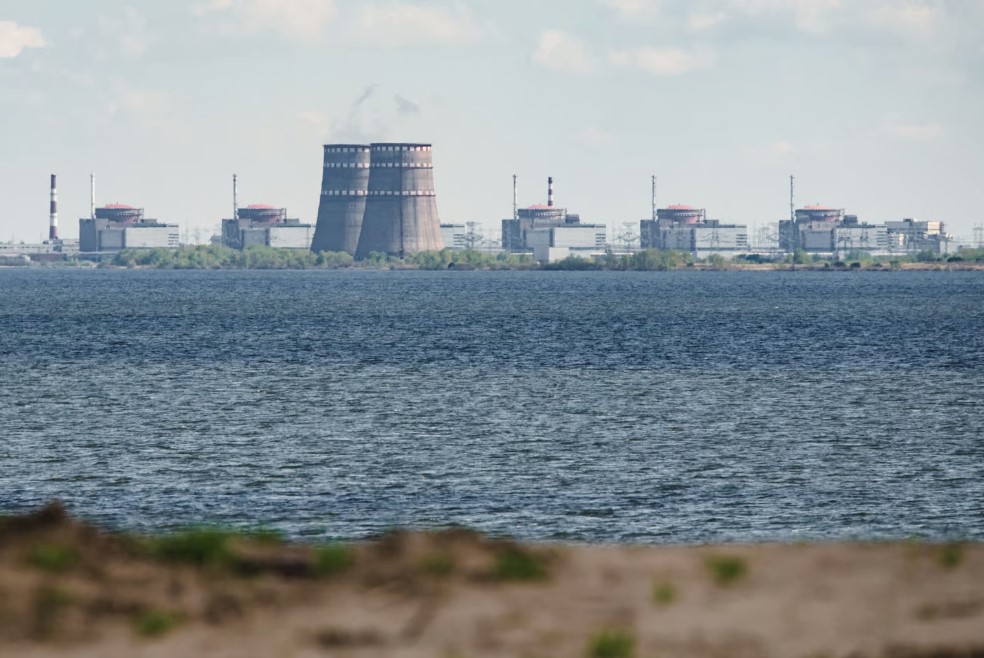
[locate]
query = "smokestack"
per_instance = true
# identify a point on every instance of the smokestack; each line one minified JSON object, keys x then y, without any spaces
{"x":654,"y":198}
{"x":235,"y":196}
{"x":53,"y":225}
{"x":92,"y":196}
{"x":792,"y":198}
{"x":550,"y":192}
{"x":515,"y":196}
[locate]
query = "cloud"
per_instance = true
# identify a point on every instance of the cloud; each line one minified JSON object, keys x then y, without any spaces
{"x":662,"y":61}
{"x":144,"y":102}
{"x":320,"y":122}
{"x":130,"y":31}
{"x":704,"y":21}
{"x":14,"y":39}
{"x":632,"y":10}
{"x":397,"y":25}
{"x":562,"y":52}
{"x":920,"y":132}
{"x":910,"y":19}
{"x":300,"y":19}
{"x":595,"y":137}
{"x":405,"y":106}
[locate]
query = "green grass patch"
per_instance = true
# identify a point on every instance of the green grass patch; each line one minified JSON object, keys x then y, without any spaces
{"x":154,"y":623}
{"x":53,"y":558}
{"x":201,"y":547}
{"x":517,"y":564}
{"x":265,"y":536}
{"x":611,"y":644}
{"x":951,"y":555}
{"x":438,"y":564}
{"x":726,"y":569}
{"x":333,"y":559}
{"x":664,"y":593}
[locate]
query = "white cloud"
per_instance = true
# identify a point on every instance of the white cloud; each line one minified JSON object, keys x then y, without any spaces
{"x":398,"y":25}
{"x":662,"y":61}
{"x":300,"y":19}
{"x":910,"y":19}
{"x":633,"y":10}
{"x":129,"y":29}
{"x":317,"y":120}
{"x":15,"y":38}
{"x":920,"y":132}
{"x":562,"y":52}
{"x":145,"y":102}
{"x":703,"y":21}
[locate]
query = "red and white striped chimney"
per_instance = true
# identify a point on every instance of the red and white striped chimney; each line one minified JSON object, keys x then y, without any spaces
{"x":53,"y":225}
{"x":550,"y":192}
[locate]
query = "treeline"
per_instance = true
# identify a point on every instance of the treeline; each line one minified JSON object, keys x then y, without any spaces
{"x":216,"y":257}
{"x":650,"y":260}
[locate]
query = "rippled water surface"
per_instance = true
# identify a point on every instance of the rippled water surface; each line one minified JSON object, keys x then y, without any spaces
{"x":670,"y":407}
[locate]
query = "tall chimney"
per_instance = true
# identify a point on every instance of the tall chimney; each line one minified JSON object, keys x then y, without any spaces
{"x":92,"y":196}
{"x":235,"y":196}
{"x":655,"y":212}
{"x":792,"y":198}
{"x":550,"y":192}
{"x":515,"y":196}
{"x":53,"y":225}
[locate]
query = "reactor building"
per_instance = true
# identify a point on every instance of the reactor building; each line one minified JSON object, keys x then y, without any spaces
{"x":823,"y":230}
{"x":550,"y":232}
{"x":265,"y":226}
{"x":685,"y":228}
{"x":378,"y":198}
{"x":118,"y":226}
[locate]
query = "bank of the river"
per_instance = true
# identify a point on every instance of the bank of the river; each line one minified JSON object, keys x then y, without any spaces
{"x":70,"y":589}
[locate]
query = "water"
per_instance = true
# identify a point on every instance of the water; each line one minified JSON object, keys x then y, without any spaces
{"x":602,"y":407}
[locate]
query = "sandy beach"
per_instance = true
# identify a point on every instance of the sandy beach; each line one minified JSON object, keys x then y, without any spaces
{"x":69,"y":589}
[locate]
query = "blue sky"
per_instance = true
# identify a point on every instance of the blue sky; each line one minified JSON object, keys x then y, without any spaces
{"x":875,"y":105}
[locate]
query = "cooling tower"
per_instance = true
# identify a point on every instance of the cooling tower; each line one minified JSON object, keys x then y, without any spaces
{"x":401,"y":207}
{"x":344,"y":186}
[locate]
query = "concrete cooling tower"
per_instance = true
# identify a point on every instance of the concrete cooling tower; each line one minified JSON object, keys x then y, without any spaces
{"x":344,"y":189}
{"x":401,"y":206}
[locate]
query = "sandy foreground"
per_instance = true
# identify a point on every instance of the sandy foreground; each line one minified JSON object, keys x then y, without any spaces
{"x":70,"y":589}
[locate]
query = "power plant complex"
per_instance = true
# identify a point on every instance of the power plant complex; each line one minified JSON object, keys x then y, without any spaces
{"x":378,"y":198}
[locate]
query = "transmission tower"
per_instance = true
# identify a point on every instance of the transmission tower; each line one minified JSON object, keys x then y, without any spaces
{"x":473,"y":238}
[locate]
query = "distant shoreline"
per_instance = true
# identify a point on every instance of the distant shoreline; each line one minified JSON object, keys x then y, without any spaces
{"x":214,"y":257}
{"x":697,"y":267}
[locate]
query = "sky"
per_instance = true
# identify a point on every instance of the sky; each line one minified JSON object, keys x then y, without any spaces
{"x":875,"y":105}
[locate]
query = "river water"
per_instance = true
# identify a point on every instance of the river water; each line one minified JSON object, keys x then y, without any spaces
{"x":594,"y":406}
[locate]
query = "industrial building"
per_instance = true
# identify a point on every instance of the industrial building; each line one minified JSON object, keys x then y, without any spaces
{"x":912,"y":235}
{"x":686,"y":228}
{"x":553,"y":243}
{"x":265,"y":226}
{"x":378,"y":198}
{"x":456,"y":236}
{"x":551,"y":232}
{"x":118,"y":226}
{"x":823,"y":230}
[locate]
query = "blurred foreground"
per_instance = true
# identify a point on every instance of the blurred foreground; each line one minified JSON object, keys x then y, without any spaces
{"x":69,"y":589}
